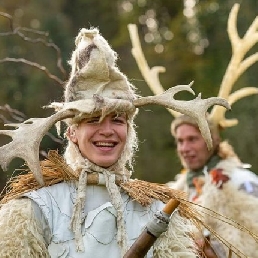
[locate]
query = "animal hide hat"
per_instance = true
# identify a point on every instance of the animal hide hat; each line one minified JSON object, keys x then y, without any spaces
{"x":94,"y":70}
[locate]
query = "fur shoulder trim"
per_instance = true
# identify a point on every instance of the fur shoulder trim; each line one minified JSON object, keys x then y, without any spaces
{"x":228,"y":165}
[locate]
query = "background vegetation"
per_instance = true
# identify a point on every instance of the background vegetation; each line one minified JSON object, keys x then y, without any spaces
{"x":189,"y":38}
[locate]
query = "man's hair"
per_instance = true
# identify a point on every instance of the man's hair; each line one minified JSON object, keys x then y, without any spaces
{"x":184,"y":119}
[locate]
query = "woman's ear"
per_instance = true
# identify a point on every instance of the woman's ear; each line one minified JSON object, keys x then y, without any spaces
{"x":71,"y":135}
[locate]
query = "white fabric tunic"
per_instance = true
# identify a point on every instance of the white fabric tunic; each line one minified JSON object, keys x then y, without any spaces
{"x":99,"y":227}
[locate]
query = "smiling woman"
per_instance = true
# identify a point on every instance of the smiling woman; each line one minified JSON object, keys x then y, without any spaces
{"x":102,"y":142}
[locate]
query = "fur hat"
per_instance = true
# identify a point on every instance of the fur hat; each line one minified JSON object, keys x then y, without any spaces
{"x":94,"y":70}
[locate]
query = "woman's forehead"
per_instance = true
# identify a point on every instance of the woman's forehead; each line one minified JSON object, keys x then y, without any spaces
{"x":100,"y":116}
{"x":111,"y":114}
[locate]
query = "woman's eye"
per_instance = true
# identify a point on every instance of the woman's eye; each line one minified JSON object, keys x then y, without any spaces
{"x":119,"y":120}
{"x":93,"y":120}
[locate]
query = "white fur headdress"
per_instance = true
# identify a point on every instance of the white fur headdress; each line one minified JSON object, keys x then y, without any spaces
{"x":94,"y":70}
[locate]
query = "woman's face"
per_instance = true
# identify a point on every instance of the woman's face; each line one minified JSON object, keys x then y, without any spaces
{"x":101,"y":142}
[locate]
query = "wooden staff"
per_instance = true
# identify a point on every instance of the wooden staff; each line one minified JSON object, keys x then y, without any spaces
{"x":147,"y":238}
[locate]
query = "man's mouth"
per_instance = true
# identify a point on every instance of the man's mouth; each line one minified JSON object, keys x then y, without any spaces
{"x":189,"y":158}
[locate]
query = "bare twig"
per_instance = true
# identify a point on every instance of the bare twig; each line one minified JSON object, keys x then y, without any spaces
{"x":33,"y":64}
{"x":47,"y":42}
{"x":13,"y":113}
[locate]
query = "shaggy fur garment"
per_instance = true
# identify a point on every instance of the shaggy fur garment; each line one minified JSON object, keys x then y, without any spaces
{"x":20,"y":235}
{"x":236,"y":205}
{"x":176,"y":241}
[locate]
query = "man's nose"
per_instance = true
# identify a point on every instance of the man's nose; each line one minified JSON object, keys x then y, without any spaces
{"x":184,"y":146}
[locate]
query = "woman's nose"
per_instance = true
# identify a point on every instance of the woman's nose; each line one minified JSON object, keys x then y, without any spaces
{"x":106,"y":127}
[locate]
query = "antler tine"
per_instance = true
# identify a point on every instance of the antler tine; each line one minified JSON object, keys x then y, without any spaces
{"x":151,"y":76}
{"x":26,"y":140}
{"x":234,"y":97}
{"x":237,"y":65}
{"x":195,"y":108}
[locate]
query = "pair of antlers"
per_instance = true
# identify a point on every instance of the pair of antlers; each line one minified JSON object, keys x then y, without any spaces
{"x":236,"y":67}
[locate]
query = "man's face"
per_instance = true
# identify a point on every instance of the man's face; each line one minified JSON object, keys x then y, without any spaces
{"x":191,"y":147}
{"x":101,"y":142}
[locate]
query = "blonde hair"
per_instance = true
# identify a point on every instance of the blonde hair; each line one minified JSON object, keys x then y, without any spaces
{"x":184,"y":119}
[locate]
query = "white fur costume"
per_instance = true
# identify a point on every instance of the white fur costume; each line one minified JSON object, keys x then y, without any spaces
{"x":235,"y":200}
{"x":43,"y":228}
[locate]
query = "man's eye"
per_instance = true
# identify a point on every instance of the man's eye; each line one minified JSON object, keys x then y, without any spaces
{"x":193,"y":139}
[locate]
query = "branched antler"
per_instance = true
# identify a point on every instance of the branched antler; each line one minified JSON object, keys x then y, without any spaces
{"x":19,"y":31}
{"x":26,"y":140}
{"x":195,"y":108}
{"x":151,"y":76}
{"x":237,"y":66}
{"x":27,"y":137}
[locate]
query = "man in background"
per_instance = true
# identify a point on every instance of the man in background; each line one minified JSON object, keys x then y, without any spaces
{"x":218,"y":180}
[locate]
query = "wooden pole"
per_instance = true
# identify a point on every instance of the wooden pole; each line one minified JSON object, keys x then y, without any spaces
{"x":144,"y":242}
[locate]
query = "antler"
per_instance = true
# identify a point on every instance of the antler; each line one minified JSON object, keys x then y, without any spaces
{"x":149,"y":75}
{"x":237,"y":66}
{"x":27,"y":137}
{"x":26,"y":141}
{"x":195,"y":108}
